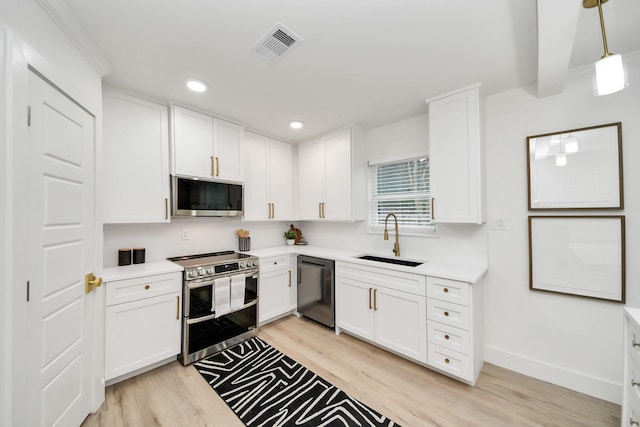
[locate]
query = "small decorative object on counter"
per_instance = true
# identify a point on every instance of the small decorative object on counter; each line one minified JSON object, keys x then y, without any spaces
{"x":291,"y":236}
{"x":138,"y":255}
{"x":244,"y":241}
{"x":299,"y":240}
{"x":124,"y":257}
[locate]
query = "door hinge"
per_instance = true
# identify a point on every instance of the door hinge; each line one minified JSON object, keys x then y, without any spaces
{"x":29,"y":116}
{"x":28,"y":290}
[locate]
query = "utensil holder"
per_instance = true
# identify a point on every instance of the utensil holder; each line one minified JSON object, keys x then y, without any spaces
{"x":244,"y":244}
{"x":124,"y":257}
{"x":138,"y":255}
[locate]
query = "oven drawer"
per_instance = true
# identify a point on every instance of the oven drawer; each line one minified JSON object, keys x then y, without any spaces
{"x":121,"y":291}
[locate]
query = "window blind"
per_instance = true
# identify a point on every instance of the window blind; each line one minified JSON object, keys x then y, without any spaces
{"x":401,"y":188}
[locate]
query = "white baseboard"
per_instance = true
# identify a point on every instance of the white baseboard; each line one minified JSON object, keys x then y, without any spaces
{"x":577,"y":381}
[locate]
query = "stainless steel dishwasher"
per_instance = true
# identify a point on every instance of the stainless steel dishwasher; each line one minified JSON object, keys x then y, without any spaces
{"x":316,"y":289}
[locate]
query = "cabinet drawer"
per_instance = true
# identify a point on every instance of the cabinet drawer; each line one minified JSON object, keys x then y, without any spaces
{"x":450,"y":361}
{"x":631,"y":408}
{"x":449,"y":290}
{"x":391,"y":279}
{"x":121,"y":291}
{"x":448,"y":336}
{"x":447,"y":313}
{"x":274,"y":263}
{"x":633,"y":336}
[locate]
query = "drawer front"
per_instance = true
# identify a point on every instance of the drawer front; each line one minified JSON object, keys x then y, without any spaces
{"x":121,"y":291}
{"x":631,"y":408}
{"x":633,"y":336}
{"x":391,"y":279}
{"x":449,"y":290}
{"x":448,"y":336}
{"x":274,"y":263}
{"x":450,"y":361}
{"x":449,"y":314}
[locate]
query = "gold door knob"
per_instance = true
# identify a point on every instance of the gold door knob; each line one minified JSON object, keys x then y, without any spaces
{"x":91,"y":282}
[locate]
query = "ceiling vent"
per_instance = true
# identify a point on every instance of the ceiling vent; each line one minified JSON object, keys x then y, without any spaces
{"x":276,"y":43}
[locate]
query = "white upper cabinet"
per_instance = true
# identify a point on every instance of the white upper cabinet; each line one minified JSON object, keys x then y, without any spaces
{"x":204,"y":146}
{"x":135,"y":159}
{"x":268,"y":181}
{"x":332,"y":177}
{"x":456,"y":157}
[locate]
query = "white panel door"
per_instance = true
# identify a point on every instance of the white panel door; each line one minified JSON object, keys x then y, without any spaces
{"x":227,"y":149}
{"x":274,"y":295}
{"x":280,"y":164}
{"x":311,"y":169}
{"x":61,"y":205}
{"x":354,"y":307}
{"x":338,"y":177}
{"x":192,"y":143}
{"x":256,"y":183}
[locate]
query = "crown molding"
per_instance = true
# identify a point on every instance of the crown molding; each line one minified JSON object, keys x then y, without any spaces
{"x":64,"y":18}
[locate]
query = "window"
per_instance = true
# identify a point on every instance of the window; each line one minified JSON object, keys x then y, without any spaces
{"x":401,"y":188}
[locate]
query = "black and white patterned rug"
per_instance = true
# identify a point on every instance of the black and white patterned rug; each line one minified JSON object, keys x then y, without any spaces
{"x":266,"y":388}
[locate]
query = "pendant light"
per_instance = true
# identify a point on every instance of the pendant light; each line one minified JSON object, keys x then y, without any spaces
{"x":611,"y":76}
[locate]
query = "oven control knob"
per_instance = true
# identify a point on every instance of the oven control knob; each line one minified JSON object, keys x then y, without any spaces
{"x":200,"y":271}
{"x":191,"y":273}
{"x":209,"y":270}
{"x":242,"y":264}
{"x":255,"y":263}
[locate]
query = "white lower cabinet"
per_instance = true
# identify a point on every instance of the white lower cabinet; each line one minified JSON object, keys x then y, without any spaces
{"x":143,"y":322}
{"x":277,"y":291}
{"x":383,"y":306}
{"x":454,"y":328}
{"x":631,"y":384}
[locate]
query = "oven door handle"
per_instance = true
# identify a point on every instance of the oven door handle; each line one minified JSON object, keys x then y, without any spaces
{"x":201,"y":319}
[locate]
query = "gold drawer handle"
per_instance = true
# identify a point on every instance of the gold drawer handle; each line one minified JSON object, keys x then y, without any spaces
{"x":633,"y":422}
{"x":446,"y":360}
{"x":634,"y":383}
{"x":634,"y":343}
{"x":446,"y":290}
{"x":446,"y":337}
{"x":446,"y":314}
{"x":147,"y":286}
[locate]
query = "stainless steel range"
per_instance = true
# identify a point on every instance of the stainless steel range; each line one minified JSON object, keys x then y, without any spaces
{"x":220,"y":302}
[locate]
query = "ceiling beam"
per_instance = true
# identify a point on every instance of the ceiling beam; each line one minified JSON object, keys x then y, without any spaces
{"x":557,"y":22}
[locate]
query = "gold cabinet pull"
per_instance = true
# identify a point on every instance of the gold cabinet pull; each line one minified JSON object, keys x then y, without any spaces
{"x":91,"y":282}
{"x":289,"y":278}
{"x":446,"y":314}
{"x":633,"y":422}
{"x":273,"y":210}
{"x":213,"y":167}
{"x":445,"y":290}
{"x":320,"y":210}
{"x":375,"y":301}
{"x":433,"y":208}
{"x":635,"y":343}
{"x":217,"y":167}
{"x":370,"y":299}
{"x":147,"y":286}
{"x":634,"y":383}
{"x":446,"y":337}
{"x":166,"y":208}
{"x":446,"y":360}
{"x":177,"y":307}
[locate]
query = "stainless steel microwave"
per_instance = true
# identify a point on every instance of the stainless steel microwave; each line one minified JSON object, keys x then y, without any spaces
{"x":195,"y":197}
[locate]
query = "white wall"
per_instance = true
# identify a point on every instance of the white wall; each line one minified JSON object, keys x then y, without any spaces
{"x":27,"y":34}
{"x":571,"y":341}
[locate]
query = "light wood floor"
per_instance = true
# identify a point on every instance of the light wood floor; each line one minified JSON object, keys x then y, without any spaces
{"x":411,"y":395}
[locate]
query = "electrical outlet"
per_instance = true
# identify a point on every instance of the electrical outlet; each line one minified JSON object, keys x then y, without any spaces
{"x":498,"y":223}
{"x":185,"y":235}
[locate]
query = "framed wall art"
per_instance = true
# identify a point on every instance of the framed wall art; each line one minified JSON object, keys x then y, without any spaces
{"x":578,"y":255}
{"x":576,"y":169}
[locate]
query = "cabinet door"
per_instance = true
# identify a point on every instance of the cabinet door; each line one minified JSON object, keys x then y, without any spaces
{"x":274,"y":295}
{"x":337,"y":191}
{"x":141,"y":332}
{"x":280,"y":164}
{"x":455,"y":158}
{"x":136,"y":160}
{"x":354,"y":307}
{"x":256,"y":184}
{"x":311,"y":169}
{"x":227,"y":147}
{"x":401,"y":322}
{"x":192,"y":143}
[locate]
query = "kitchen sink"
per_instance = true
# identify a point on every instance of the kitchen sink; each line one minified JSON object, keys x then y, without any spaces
{"x":397,"y":261}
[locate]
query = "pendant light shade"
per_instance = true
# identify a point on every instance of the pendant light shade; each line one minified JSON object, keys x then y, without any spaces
{"x":611,"y":76}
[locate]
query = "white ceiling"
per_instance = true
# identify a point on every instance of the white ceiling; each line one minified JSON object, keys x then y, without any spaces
{"x":363,"y":62}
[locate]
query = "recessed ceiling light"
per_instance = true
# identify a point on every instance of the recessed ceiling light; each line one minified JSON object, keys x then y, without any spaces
{"x":197,"y":85}
{"x":296,"y":124}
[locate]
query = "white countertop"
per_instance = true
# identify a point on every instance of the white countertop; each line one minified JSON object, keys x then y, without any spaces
{"x":446,"y":270}
{"x":110,"y":274}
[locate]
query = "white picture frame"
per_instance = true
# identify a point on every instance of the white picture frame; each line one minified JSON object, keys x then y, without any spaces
{"x":578,"y":255}
{"x":576,"y":169}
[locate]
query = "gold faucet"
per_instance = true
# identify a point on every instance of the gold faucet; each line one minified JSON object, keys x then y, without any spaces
{"x":396,"y":245}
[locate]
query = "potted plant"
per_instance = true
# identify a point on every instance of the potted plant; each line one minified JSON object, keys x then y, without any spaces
{"x":290,"y":235}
